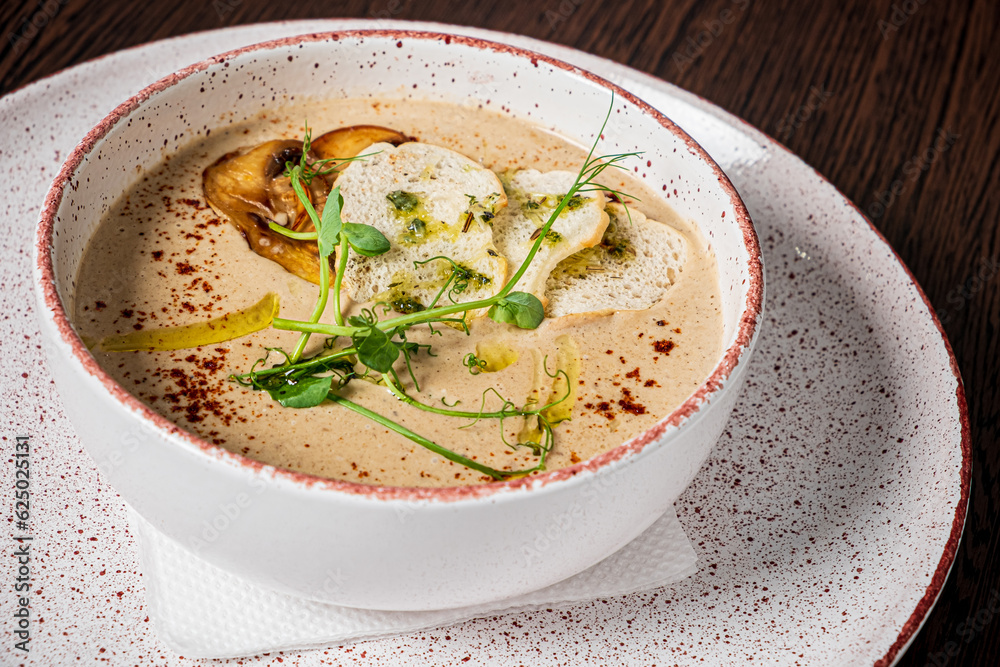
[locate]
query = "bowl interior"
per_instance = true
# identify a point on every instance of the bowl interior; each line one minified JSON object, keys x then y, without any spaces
{"x":237,"y":87}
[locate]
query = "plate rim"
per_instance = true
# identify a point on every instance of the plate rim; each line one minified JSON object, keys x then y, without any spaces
{"x":933,"y":590}
{"x":918,"y":617}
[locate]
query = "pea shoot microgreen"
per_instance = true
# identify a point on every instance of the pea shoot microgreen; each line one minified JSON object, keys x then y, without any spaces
{"x":372,"y":347}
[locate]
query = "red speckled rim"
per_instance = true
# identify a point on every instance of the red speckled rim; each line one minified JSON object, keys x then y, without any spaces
{"x":747,"y":327}
{"x":916,"y":619}
{"x":940,"y":576}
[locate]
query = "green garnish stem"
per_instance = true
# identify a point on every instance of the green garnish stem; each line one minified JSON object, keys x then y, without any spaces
{"x":373,"y":339}
{"x":538,"y":241}
{"x":419,"y":439}
{"x":398,"y":393}
{"x":435,"y":312}
{"x":580,"y":181}
{"x":324,"y":268}
{"x":298,"y":236}
{"x":338,"y":314}
{"x":312,"y":327}
{"x":315,"y":361}
{"x":426,"y":315}
{"x":405,"y":320}
{"x":300,"y":192}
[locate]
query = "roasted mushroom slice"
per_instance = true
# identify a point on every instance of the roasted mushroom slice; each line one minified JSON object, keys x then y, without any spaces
{"x":351,"y":141}
{"x":250,"y":189}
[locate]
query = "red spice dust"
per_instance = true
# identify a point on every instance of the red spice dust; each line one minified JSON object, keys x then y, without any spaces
{"x":603,"y":408}
{"x":663,"y":346}
{"x":628,"y":404}
{"x":194,"y":203}
{"x":195,"y":395}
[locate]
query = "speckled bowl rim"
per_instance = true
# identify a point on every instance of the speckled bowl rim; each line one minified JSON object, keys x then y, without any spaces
{"x":748,"y":325}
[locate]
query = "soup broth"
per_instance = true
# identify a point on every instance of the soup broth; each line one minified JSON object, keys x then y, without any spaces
{"x":161,"y":257}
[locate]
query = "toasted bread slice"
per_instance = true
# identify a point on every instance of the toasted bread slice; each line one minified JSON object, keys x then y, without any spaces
{"x":532,"y":196}
{"x":631,"y":269}
{"x":428,"y":201}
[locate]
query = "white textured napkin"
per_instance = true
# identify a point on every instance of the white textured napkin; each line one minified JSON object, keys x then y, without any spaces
{"x":200,"y":611}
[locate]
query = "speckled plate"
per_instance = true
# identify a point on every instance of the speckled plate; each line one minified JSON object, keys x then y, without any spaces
{"x":826,"y":520}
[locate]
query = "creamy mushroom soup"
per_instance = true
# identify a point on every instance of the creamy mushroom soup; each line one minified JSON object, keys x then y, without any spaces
{"x":162,"y":257}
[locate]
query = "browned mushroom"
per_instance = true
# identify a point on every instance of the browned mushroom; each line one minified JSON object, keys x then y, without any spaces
{"x":249,"y":187}
{"x":352,"y":141}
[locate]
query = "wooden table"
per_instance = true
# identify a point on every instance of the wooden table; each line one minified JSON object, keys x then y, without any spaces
{"x":860,"y":90}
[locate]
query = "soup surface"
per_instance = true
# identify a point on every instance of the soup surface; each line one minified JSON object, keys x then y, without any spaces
{"x":161,"y":257}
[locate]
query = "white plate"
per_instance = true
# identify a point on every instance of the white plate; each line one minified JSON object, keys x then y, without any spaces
{"x":826,"y":520}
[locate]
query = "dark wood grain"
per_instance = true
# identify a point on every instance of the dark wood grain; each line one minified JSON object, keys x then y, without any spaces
{"x":860,"y":90}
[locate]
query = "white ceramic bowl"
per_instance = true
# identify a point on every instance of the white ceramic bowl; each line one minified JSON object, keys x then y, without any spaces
{"x":381,"y":547}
